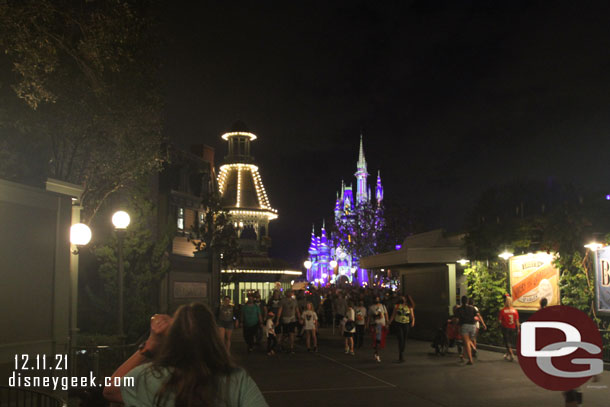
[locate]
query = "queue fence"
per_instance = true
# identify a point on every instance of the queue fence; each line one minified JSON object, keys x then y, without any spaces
{"x":18,"y":397}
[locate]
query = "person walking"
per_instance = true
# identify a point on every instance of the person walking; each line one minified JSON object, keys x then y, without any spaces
{"x":466,"y":315}
{"x":377,"y":321}
{"x":404,"y":316}
{"x":270,"y":333}
{"x":183,"y":363}
{"x":360,"y":312}
{"x":509,"y":320}
{"x":349,"y":329}
{"x":225,"y":318}
{"x":310,"y":326}
{"x":251,"y":319}
{"x":288,"y":314}
{"x":478,"y":320}
{"x":339,"y":308}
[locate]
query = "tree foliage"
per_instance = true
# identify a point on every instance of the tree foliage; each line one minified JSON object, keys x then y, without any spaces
{"x":359,"y":231}
{"x":86,"y":106}
{"x":487,"y":286}
{"x":216,"y":232}
{"x":531,"y":216}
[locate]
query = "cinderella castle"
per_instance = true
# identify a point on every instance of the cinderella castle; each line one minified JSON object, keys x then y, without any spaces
{"x":328,"y":262}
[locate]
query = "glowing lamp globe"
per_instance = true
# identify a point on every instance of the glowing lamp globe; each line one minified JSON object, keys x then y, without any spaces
{"x":120,"y":220}
{"x":505,"y":255}
{"x":80,"y":234}
{"x":594,"y":246}
{"x":333,"y":264}
{"x":307,"y":264}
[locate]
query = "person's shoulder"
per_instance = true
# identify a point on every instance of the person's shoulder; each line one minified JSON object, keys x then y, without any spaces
{"x":140,"y":370}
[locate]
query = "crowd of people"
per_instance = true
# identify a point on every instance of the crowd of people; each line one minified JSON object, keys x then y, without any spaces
{"x":288,"y":315}
{"x":186,"y":359}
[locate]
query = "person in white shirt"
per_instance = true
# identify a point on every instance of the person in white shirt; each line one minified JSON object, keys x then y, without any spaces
{"x":360,"y":312}
{"x":270,"y":334}
{"x":349,"y":329}
{"x":309,"y":319}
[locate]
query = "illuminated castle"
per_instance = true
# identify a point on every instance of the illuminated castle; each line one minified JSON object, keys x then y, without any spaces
{"x":328,"y":262}
{"x":243,"y":195}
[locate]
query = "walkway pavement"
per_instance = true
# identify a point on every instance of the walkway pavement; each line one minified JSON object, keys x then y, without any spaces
{"x":331,"y":378}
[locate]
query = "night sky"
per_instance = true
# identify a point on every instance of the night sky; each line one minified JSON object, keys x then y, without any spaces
{"x":452,"y":97}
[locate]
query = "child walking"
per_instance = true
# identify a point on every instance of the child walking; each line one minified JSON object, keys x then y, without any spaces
{"x":270,"y":332}
{"x":310,"y":324}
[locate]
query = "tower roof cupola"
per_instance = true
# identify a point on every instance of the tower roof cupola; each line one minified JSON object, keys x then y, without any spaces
{"x":239,"y":181}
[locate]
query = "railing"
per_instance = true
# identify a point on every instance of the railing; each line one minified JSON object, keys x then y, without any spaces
{"x":101,"y":360}
{"x":15,"y":397}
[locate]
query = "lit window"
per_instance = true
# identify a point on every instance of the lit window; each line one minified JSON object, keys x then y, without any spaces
{"x":180,"y":218}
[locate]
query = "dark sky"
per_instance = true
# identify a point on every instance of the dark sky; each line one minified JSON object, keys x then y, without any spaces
{"x":452,"y":97}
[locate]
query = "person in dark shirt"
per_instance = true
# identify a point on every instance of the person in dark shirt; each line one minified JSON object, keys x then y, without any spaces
{"x":466,"y":315}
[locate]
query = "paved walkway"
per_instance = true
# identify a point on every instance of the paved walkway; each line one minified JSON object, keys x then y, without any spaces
{"x":331,"y":378}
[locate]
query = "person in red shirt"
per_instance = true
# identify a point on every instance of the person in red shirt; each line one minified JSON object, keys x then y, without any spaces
{"x":509,"y":318}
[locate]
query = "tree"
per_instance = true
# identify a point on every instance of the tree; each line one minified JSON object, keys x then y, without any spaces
{"x":216,"y":233}
{"x":487,"y":286}
{"x":359,"y":231}
{"x":146,"y":262}
{"x":531,"y":216}
{"x":86,"y":105}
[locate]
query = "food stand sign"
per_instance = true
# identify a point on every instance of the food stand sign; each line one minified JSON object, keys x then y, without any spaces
{"x":533,"y":277}
{"x":602,"y":280}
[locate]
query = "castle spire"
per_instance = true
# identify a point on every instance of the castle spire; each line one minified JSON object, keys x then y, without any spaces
{"x":361,"y":160}
{"x":361,"y":176}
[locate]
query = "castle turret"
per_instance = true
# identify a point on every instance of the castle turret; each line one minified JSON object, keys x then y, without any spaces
{"x":379,"y":189}
{"x":361,"y":176}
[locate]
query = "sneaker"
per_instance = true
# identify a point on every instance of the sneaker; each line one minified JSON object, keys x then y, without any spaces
{"x":469,"y":363}
{"x":292,"y":351}
{"x":352,"y":353}
{"x":377,"y":358}
{"x":308,"y":349}
{"x":315,"y":349}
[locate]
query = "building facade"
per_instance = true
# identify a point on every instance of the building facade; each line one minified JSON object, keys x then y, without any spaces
{"x":180,"y":189}
{"x":329,"y":262}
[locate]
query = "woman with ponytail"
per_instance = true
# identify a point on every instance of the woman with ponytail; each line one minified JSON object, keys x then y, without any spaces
{"x":184,"y":362}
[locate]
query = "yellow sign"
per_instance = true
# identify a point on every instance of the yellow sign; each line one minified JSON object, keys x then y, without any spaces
{"x":533,"y":277}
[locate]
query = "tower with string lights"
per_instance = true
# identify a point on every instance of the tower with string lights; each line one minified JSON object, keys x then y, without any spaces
{"x":243,"y":196}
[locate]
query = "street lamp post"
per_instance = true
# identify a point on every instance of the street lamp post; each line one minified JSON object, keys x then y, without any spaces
{"x":120,"y":220}
{"x":505,"y":255}
{"x":307,"y":263}
{"x":80,"y":235}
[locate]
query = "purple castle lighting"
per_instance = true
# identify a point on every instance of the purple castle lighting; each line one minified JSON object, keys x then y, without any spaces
{"x":331,"y":263}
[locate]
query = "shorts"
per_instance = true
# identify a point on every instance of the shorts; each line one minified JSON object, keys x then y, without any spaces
{"x":348,"y":334}
{"x":289,"y":328}
{"x":509,"y":335}
{"x":468,"y":329}
{"x":226,"y":324}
